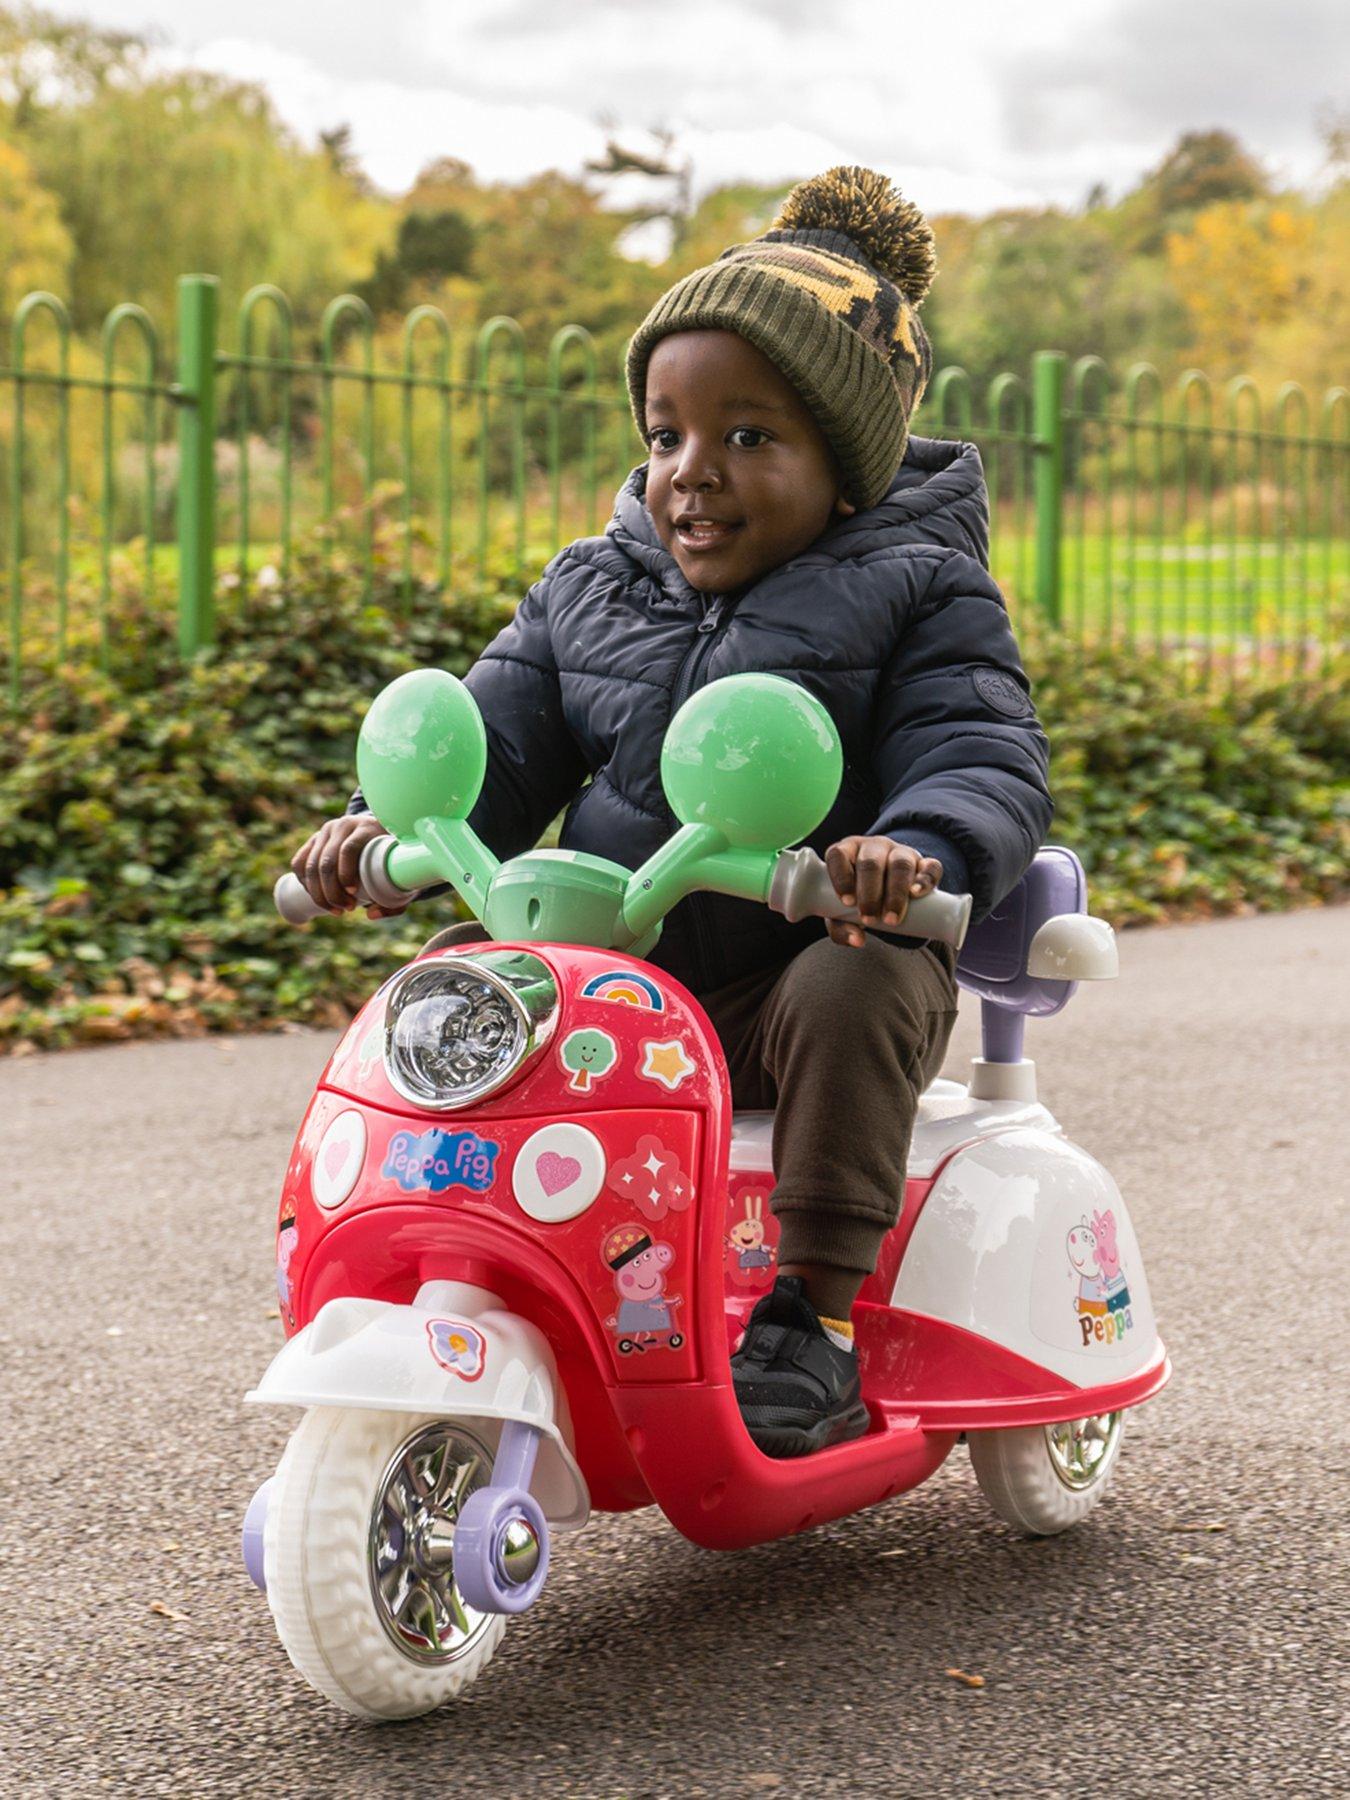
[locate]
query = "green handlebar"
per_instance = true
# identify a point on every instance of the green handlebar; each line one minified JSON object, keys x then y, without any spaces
{"x":750,"y":763}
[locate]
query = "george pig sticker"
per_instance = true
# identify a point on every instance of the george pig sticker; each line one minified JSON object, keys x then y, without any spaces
{"x":558,"y":1172}
{"x":457,"y":1347}
{"x":339,"y":1159}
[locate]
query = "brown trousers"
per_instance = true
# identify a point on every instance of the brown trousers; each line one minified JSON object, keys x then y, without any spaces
{"x":840,"y":1043}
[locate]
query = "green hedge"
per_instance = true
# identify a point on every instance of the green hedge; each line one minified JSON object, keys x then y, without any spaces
{"x":145,"y":811}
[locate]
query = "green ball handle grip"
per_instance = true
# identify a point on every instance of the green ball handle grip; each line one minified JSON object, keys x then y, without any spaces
{"x":422,"y":753}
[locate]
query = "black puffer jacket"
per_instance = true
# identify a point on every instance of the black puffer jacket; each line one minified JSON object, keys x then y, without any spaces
{"x":890,"y":618}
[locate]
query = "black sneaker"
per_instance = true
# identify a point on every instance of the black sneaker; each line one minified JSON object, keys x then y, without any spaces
{"x":797,"y":1390}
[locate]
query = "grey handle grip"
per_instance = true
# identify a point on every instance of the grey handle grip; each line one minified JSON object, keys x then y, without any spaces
{"x":802,"y":889}
{"x":292,"y":901}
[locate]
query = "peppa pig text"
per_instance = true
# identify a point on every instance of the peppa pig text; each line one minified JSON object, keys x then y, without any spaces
{"x":437,"y":1160}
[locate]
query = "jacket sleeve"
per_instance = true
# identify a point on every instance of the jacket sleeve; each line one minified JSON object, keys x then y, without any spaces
{"x":534,"y":765}
{"x":959,"y":752}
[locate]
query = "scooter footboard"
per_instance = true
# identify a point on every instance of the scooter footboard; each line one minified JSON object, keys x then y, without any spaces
{"x":454,"y":1352}
{"x":731,"y":1495}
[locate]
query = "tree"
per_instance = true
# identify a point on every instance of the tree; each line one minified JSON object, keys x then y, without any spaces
{"x":35,"y":247}
{"x":1203,"y":168}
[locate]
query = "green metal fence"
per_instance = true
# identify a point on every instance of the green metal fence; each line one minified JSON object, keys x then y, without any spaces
{"x":1205,"y":522}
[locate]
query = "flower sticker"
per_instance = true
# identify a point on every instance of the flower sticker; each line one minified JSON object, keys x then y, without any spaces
{"x":652,"y":1179}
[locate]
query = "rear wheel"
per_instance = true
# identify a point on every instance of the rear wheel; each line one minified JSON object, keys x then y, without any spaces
{"x":1044,"y":1478}
{"x":359,"y":1551}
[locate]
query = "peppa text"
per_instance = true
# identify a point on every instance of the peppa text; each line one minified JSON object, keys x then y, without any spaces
{"x":437,"y":1160}
{"x":1105,"y":1328}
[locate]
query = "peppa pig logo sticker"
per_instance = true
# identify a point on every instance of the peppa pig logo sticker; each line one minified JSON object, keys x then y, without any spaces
{"x":1102,"y":1300}
{"x":645,"y":1317}
{"x":652,"y":1179}
{"x":457,"y":1347}
{"x":437,"y":1160}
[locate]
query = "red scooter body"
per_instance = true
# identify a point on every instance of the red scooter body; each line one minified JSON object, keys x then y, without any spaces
{"x":594,"y":1195}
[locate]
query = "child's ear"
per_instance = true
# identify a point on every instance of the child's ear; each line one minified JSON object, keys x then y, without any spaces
{"x":845,"y":508}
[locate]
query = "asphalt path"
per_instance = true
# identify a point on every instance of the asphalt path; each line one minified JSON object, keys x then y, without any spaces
{"x":1189,"y":1639}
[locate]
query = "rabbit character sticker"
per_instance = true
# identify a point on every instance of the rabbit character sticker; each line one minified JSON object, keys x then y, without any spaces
{"x":750,"y":1257}
{"x":1103,"y":1298}
{"x":645,"y":1318}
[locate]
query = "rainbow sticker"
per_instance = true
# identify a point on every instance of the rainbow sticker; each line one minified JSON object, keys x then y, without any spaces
{"x":625,"y":988}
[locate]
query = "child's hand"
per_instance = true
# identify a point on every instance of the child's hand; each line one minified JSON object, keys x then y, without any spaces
{"x":880,"y":878}
{"x":329,"y":865}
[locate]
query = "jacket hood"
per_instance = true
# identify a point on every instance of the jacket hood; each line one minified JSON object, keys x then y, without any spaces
{"x":938,"y":496}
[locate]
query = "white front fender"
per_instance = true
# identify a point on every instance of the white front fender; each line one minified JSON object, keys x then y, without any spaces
{"x":455,"y":1352}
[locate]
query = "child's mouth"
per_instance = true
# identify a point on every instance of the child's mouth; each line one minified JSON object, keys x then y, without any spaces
{"x":697,"y":535}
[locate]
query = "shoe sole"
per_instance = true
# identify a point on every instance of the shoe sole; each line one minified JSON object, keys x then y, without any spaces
{"x":798,"y":1440}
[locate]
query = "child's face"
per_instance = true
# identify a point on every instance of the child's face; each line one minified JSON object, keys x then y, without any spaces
{"x":732,"y":444}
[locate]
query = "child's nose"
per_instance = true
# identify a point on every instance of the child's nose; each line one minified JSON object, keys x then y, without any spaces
{"x":698,"y":471}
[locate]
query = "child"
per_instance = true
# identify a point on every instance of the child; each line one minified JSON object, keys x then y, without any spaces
{"x":786,"y":522}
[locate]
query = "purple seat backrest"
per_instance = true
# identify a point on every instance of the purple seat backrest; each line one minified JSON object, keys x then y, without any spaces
{"x":993,"y":961}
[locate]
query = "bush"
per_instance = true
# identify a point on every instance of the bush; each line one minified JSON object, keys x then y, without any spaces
{"x":145,"y":811}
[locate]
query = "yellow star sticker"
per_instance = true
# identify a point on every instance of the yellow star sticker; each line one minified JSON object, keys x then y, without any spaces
{"x":666,"y":1063}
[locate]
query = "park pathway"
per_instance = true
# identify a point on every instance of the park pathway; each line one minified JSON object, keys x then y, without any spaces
{"x":1189,"y":1640}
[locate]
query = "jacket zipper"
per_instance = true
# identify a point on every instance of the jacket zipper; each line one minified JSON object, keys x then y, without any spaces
{"x":706,"y":954}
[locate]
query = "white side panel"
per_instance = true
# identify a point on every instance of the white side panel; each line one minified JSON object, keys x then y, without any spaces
{"x":469,"y":1361}
{"x":1026,"y":1240}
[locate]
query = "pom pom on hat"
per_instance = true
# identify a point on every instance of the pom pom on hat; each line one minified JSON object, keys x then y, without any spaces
{"x":890,"y":231}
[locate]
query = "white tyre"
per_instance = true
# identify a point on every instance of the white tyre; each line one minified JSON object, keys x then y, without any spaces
{"x":358,"y":1552}
{"x":1044,"y":1478}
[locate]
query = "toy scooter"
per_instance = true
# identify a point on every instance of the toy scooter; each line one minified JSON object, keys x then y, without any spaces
{"x":521,"y":1229}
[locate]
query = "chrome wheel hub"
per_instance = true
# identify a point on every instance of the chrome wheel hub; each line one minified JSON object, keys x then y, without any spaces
{"x":412,"y":1536}
{"x":1081,"y":1450}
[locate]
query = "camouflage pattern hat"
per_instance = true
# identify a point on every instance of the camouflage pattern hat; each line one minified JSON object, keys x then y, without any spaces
{"x":830,"y":294}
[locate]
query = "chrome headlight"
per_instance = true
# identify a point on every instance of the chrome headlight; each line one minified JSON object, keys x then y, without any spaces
{"x":457,"y":1028}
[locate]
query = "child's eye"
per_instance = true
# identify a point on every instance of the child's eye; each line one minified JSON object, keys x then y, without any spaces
{"x":654,"y":438}
{"x":748,"y":431}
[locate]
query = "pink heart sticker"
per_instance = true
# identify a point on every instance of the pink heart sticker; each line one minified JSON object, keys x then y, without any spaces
{"x":556,"y":1172}
{"x":335,"y":1157}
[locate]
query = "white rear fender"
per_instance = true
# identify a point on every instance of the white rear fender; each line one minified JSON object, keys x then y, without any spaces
{"x":455,"y":1352}
{"x":1025,"y":1240}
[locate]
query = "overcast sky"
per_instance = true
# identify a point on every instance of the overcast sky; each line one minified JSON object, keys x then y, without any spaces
{"x":969,"y":104}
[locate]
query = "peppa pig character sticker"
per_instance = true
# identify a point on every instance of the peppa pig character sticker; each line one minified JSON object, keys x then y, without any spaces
{"x":751,"y":1257}
{"x":287,"y":1238}
{"x":1102,"y":1300}
{"x":587,"y":1056}
{"x":645,"y":1318}
{"x":457,"y":1347}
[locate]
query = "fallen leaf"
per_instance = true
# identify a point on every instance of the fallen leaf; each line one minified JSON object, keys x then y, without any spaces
{"x":166,"y":1612}
{"x":1201,"y":1525}
{"x":273,"y":1312}
{"x":170,"y":1545}
{"x":975,"y":1681}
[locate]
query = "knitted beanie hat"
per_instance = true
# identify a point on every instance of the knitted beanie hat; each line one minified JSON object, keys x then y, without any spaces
{"x":830,"y":294}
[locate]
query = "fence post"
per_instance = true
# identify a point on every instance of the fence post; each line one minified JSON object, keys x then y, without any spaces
{"x":196,"y":395}
{"x":1048,"y":469}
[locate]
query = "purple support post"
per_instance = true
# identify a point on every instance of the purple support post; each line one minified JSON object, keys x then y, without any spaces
{"x":1001,"y":1033}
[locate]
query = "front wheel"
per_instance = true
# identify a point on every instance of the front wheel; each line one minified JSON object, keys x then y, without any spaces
{"x":1044,"y":1478}
{"x":359,"y":1555}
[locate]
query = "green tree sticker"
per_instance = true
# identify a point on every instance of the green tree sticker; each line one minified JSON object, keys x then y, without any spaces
{"x":587,"y":1056}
